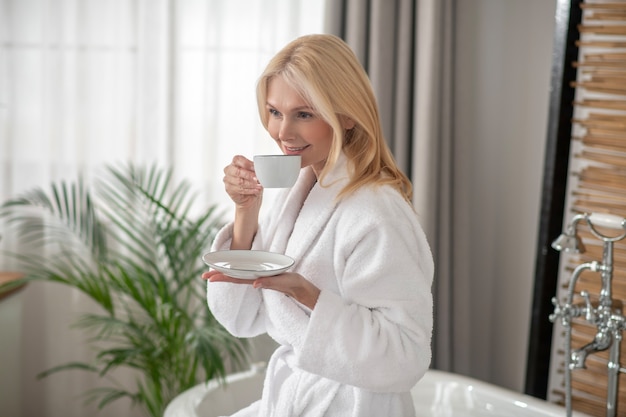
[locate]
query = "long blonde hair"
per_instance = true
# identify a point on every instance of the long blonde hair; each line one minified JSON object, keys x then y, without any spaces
{"x":328,"y":76}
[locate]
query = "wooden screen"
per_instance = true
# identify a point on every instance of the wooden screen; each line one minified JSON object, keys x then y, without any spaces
{"x":596,"y":183}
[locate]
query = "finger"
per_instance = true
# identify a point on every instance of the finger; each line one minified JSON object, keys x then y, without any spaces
{"x":243,"y":162}
{"x":234,"y":187}
{"x":225,"y":278}
{"x":207,"y":275}
{"x":237,"y":173}
{"x":238,"y":178}
{"x":258,"y":283}
{"x":270,"y":283}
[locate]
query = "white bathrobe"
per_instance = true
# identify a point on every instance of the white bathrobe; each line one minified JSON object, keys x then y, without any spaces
{"x":367,"y":341}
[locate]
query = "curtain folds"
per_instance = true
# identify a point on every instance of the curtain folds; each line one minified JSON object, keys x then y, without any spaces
{"x":382,"y":35}
{"x":406,"y":46}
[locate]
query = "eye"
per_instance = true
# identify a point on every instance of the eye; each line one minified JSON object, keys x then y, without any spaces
{"x":274,"y":112}
{"x":305,"y":115}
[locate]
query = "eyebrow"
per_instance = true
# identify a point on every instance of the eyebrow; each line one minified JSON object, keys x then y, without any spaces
{"x":295,"y":109}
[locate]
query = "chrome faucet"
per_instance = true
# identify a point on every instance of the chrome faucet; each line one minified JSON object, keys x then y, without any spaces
{"x":602,"y":341}
{"x":607,"y":316}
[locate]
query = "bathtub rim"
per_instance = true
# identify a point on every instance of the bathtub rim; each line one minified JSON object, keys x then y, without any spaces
{"x":186,"y":403}
{"x":471,"y":383}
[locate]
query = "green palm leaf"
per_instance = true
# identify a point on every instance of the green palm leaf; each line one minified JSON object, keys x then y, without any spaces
{"x":131,"y":244}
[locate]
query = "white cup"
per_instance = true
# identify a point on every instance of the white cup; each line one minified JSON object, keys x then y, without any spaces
{"x":277,"y":171}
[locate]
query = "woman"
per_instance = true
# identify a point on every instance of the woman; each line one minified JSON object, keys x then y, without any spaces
{"x":353,"y":317}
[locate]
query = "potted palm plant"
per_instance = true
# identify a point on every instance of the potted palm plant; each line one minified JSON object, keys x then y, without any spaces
{"x":131,"y":244}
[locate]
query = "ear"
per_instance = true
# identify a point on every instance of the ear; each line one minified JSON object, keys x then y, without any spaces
{"x":347,"y":122}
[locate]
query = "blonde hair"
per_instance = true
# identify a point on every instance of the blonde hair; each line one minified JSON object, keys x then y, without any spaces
{"x":328,"y":76}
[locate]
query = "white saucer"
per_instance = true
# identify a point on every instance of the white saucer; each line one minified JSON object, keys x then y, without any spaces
{"x":247,"y":264}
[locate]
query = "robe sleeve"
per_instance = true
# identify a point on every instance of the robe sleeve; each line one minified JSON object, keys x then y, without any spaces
{"x":375,"y":334}
{"x":238,"y":307}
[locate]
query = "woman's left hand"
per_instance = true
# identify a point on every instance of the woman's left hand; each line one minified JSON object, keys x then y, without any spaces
{"x":290,"y":283}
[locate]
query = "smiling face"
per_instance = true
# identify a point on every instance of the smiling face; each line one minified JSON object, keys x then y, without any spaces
{"x":294,"y":125}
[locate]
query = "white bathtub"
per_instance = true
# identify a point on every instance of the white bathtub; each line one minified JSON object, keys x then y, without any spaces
{"x":438,"y":394}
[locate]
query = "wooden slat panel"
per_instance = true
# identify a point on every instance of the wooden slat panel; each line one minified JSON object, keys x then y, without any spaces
{"x":600,"y":186}
{"x":604,"y":6}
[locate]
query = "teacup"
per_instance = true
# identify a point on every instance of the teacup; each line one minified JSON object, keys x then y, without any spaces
{"x":277,"y":171}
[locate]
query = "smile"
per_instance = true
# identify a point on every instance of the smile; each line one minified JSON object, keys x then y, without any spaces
{"x":288,"y":149}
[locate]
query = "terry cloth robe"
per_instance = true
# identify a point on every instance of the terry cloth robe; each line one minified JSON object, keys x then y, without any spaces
{"x":367,"y":341}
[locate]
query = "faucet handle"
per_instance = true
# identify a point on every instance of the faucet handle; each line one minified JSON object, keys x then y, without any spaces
{"x":610,"y":221}
{"x":590,"y":313}
{"x":567,"y":311}
{"x":559,"y":311}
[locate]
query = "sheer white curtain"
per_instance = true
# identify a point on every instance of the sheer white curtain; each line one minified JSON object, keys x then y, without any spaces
{"x":89,"y":82}
{"x":86,"y":82}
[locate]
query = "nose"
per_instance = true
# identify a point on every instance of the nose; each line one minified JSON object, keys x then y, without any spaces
{"x":285,"y":131}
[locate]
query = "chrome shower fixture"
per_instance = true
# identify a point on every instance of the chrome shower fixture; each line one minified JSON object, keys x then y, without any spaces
{"x":607,"y":318}
{"x":568,"y":242}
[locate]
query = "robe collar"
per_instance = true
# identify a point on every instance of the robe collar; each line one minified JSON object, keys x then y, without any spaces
{"x":307,"y":209}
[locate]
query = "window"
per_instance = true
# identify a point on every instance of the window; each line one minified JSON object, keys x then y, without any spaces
{"x":84,"y":83}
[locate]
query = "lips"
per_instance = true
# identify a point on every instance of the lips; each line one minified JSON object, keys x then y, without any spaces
{"x":294,"y":150}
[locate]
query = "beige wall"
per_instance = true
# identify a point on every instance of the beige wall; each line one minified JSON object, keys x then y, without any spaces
{"x":10,"y":375}
{"x":503,"y":64}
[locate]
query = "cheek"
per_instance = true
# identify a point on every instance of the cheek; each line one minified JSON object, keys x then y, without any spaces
{"x":273,"y":132}
{"x":326,"y":136}
{"x":272,"y":129}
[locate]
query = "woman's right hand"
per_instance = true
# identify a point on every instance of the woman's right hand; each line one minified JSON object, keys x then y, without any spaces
{"x":241,"y":183}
